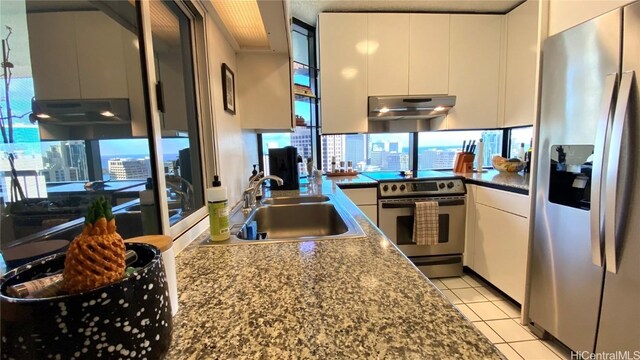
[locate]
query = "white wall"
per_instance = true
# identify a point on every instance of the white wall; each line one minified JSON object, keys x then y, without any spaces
{"x":564,"y":14}
{"x":237,"y":148}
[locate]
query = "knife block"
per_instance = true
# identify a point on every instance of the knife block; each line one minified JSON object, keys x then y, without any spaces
{"x":464,"y":162}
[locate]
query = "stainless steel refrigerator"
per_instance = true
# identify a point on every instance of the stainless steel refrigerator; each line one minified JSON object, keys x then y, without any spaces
{"x":585,"y":261}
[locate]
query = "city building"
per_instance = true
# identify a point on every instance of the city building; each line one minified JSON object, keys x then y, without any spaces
{"x":126,"y":169}
{"x":436,"y":159}
{"x":65,"y":161}
{"x":356,"y":148}
{"x":332,"y":145}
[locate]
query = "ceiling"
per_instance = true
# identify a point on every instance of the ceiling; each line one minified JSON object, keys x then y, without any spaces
{"x":308,"y":10}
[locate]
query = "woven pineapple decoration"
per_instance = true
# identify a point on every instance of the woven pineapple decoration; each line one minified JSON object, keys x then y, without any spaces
{"x":96,"y":257}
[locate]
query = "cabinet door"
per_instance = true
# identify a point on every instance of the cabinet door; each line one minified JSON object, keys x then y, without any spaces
{"x":100,"y":56}
{"x":366,"y":196}
{"x":521,"y":95}
{"x":474,"y":71}
{"x":343,"y":72}
{"x":500,"y":254}
{"x":428,"y":54}
{"x":371,"y":211}
{"x":264,"y":81}
{"x":388,"y":62}
{"x":54,"y":62}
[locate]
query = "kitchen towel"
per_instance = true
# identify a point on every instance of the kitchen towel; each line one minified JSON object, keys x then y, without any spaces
{"x":426,"y":223}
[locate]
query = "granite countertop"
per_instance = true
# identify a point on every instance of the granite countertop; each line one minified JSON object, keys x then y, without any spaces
{"x":516,"y":182}
{"x":326,"y":299}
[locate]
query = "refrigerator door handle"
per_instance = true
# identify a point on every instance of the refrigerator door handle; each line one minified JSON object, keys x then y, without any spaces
{"x":613,"y":166}
{"x":598,"y":167}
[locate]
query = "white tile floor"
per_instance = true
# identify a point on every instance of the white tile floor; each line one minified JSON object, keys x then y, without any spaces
{"x":497,"y":318}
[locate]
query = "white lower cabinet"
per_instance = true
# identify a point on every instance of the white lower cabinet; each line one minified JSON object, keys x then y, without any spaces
{"x":367,"y":201}
{"x":497,"y":239}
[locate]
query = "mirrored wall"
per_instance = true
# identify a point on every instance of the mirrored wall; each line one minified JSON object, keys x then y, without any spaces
{"x":78,"y":117}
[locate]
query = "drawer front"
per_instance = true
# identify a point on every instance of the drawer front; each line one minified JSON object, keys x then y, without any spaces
{"x":362,"y":196}
{"x":507,"y":201}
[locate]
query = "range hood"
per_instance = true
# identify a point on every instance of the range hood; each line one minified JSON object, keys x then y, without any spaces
{"x":82,"y":119}
{"x":81,"y":112}
{"x":407,"y":113}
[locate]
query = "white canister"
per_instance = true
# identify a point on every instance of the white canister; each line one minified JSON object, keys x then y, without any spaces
{"x":165,"y":244}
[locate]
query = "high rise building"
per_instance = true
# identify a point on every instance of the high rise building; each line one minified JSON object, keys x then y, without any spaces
{"x":332,"y":145}
{"x":436,"y":159}
{"x":65,"y":161}
{"x":74,"y":155}
{"x":301,"y":140}
{"x":355,"y":148}
{"x":125,"y":169}
{"x":395,"y":147}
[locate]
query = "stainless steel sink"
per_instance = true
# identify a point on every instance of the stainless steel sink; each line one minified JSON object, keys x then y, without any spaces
{"x":294,"y":219}
{"x":289,"y":200}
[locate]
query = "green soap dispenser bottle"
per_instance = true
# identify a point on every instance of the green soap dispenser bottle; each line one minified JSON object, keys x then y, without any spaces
{"x":218,"y":211}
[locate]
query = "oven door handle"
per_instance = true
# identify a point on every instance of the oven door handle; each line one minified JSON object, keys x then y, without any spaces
{"x":412,"y":205}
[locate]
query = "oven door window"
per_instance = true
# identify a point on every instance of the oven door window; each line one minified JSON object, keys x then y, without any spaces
{"x":404,"y":229}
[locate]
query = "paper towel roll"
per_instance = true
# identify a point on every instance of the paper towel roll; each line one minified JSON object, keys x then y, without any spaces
{"x":480,"y":156}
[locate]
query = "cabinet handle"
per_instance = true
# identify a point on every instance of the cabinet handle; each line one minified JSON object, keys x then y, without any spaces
{"x":611,"y":239}
{"x":595,"y":215}
{"x":160,"y":97}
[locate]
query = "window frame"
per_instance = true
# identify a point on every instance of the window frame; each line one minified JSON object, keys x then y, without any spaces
{"x":204,"y":116}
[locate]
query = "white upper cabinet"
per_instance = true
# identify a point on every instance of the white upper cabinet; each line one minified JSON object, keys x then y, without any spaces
{"x":343,"y":72}
{"x":100,"y":56}
{"x":522,"y":69}
{"x":89,"y":56}
{"x":388,"y":61}
{"x":264,"y":81}
{"x":55,"y":77}
{"x":428,"y":54}
{"x":476,"y":45}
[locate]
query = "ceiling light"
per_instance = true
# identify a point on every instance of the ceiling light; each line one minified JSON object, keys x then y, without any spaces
{"x":107,"y":113}
{"x":43,"y":116}
{"x":243,"y":20}
{"x":439,"y":108}
{"x":384,"y":110}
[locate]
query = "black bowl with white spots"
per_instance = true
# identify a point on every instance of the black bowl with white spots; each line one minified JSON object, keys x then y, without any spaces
{"x":128,"y":319}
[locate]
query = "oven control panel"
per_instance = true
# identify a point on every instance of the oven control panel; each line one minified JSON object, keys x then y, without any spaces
{"x":433,"y":187}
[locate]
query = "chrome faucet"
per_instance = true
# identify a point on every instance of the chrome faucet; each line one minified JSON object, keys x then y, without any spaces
{"x":249,"y":194}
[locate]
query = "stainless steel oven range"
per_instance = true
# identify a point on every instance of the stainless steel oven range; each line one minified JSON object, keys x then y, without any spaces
{"x":396,"y":206}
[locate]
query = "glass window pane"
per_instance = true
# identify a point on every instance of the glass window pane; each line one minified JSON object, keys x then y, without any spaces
{"x":368,"y":152}
{"x":520,"y":136}
{"x":54,"y":162}
{"x":300,"y":47}
{"x":301,"y":139}
{"x":437,"y":150}
{"x":180,"y":138}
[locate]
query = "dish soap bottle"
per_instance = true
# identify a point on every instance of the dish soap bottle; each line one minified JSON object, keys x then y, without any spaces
{"x":218,"y":211}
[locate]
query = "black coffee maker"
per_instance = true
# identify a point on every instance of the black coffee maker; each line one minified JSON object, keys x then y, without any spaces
{"x":283,"y":162}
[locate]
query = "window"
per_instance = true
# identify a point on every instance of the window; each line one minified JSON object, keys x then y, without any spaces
{"x":368,"y":152}
{"x":437,"y":150}
{"x":181,"y":154}
{"x":517,"y":137}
